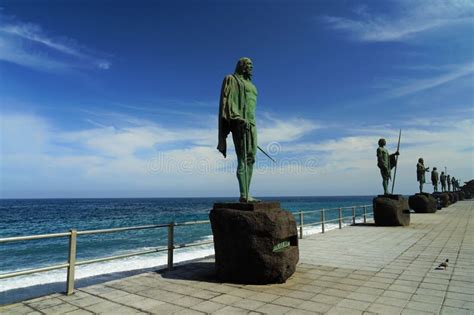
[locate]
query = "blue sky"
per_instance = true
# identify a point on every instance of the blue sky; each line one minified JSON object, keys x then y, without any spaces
{"x":119,"y":99}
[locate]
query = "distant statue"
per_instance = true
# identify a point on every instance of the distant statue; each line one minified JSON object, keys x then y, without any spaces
{"x":420,"y":173}
{"x":448,"y":180}
{"x":443,"y":182}
{"x":238,"y":101}
{"x":453,"y":182}
{"x":434,"y":179}
{"x":385,"y":162}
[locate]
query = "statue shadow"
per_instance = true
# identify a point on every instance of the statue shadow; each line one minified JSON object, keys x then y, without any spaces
{"x":364,"y":224}
{"x":194,"y":271}
{"x":30,"y":292}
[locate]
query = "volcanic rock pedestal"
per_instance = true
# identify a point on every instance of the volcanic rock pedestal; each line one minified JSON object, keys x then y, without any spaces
{"x":461,"y":195}
{"x":255,"y":243}
{"x":467,"y":194}
{"x":453,"y":197}
{"x":443,"y":198}
{"x":391,"y":210}
{"x":423,"y":203}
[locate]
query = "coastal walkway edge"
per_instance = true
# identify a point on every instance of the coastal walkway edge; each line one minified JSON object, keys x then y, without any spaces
{"x":360,"y":269}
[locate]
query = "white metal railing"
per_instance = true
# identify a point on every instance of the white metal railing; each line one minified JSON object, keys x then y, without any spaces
{"x":340,"y":217}
{"x":171,"y":246}
{"x":73,"y":234}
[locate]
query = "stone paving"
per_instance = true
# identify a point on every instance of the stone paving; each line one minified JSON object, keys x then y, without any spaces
{"x":360,"y":269}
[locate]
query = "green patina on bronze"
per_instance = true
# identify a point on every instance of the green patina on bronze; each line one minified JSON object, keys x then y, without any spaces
{"x":237,"y":106}
{"x":443,"y":181}
{"x":420,"y":173}
{"x":385,"y":162}
{"x":434,"y":179}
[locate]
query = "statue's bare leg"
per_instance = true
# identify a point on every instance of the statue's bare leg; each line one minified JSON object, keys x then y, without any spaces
{"x":241,"y":178}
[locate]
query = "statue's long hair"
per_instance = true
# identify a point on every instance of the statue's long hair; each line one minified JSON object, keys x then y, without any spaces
{"x":239,"y":68}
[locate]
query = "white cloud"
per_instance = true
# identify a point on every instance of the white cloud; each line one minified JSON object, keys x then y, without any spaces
{"x":106,"y":160}
{"x":348,"y":164}
{"x":279,"y":130}
{"x":28,"y":45}
{"x":13,"y":52}
{"x":411,"y":19}
{"x":424,"y":84}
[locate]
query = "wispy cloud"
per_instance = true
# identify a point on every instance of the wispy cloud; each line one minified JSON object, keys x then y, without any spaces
{"x":410,"y":18}
{"x":117,"y":156}
{"x":27,"y":44}
{"x":147,"y":157}
{"x":423,"y":84}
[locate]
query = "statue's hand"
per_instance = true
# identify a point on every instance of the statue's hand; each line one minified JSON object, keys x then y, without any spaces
{"x":397,"y":153}
{"x":244,"y":124}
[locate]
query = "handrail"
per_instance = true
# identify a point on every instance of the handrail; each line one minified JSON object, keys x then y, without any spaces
{"x":323,"y":220}
{"x":329,"y":209}
{"x":30,"y":271}
{"x":171,"y":246}
{"x":113,"y":230}
{"x":32,"y":237}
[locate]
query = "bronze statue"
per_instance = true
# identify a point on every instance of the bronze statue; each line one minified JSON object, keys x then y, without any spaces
{"x":453,"y":182}
{"x":385,"y":162}
{"x":443,"y":182}
{"x":434,"y":179}
{"x":448,"y":180}
{"x":238,"y":101}
{"x":420,"y":173}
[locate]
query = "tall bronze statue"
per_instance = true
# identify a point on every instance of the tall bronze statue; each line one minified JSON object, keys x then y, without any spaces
{"x":443,"y":181}
{"x":453,"y":183}
{"x":238,"y":101}
{"x":448,"y":181}
{"x":385,"y":162}
{"x":420,"y":173}
{"x":434,"y":179}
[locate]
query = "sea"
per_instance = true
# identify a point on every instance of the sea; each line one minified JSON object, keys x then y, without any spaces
{"x":21,"y":217}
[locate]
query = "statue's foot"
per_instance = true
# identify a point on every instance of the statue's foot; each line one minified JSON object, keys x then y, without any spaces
{"x":250,"y":199}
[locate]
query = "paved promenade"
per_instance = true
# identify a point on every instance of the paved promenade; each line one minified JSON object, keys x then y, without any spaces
{"x":357,"y":270}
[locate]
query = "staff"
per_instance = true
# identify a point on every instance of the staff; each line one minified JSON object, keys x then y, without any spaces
{"x":396,"y":160}
{"x":266,"y":154}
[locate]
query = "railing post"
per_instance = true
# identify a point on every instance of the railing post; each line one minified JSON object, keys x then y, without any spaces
{"x":170,"y":245}
{"x":301,"y":223}
{"x":354,"y":215}
{"x":340,"y":218}
{"x":365,"y":214}
{"x":71,"y":269}
{"x":322,"y":220}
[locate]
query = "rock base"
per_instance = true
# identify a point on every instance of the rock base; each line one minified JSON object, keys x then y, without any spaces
{"x":443,"y":199}
{"x":467,"y":194}
{"x":391,"y":210}
{"x":461,"y":195}
{"x":255,"y":243}
{"x":423,"y":203}
{"x":453,"y":197}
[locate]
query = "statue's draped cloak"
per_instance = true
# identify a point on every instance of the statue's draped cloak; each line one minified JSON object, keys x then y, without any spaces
{"x":231,"y":108}
{"x":434,"y":177}
{"x":420,"y":172}
{"x":443,"y":179}
{"x":385,"y":161}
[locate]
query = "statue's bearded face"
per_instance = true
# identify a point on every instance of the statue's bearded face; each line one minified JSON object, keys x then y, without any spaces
{"x":244,"y":67}
{"x":248,"y":68}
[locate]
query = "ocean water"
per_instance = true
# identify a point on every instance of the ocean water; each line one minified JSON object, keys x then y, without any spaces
{"x":19,"y":217}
